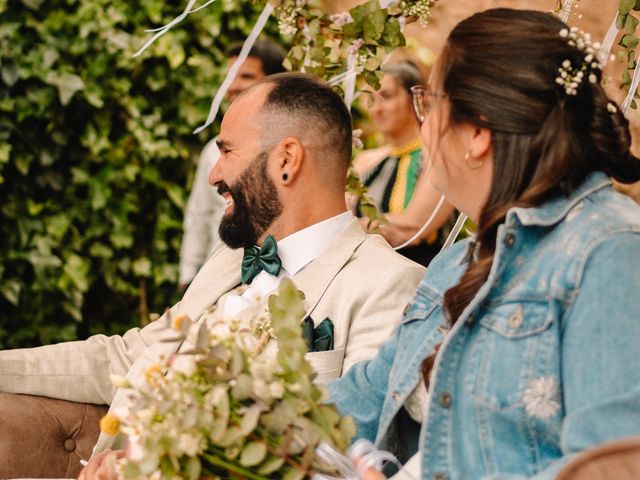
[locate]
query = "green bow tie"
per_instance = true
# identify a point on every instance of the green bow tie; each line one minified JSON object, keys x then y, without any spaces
{"x":257,"y":259}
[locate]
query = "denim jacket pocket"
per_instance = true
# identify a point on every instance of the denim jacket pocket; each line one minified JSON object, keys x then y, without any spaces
{"x":519,"y":330}
{"x":424,"y":302}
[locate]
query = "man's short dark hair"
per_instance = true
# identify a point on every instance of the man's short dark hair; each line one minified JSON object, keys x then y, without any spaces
{"x":267,"y":51}
{"x":311,"y":101}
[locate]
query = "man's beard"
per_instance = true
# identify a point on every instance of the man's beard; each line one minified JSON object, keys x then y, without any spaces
{"x":255,"y":205}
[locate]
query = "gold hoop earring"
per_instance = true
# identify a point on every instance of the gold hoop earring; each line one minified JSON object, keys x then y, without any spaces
{"x":471,"y":165}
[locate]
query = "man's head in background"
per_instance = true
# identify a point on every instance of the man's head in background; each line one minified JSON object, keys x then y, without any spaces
{"x":265,"y":58}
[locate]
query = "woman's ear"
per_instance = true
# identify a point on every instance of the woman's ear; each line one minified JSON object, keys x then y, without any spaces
{"x":481,"y":142}
{"x":290,"y":159}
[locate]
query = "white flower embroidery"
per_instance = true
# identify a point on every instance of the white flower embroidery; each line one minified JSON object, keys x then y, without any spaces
{"x":541,"y":398}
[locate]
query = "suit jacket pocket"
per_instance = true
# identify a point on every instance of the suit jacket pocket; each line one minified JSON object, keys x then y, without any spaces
{"x":327,"y":364}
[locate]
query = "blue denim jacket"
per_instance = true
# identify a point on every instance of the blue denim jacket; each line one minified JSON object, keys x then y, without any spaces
{"x":542,"y":364}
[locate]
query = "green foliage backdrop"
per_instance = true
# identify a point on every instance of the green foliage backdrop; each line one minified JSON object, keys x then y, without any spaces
{"x":96,"y":152}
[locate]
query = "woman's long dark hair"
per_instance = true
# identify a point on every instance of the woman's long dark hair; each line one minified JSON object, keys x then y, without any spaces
{"x":499,"y":70}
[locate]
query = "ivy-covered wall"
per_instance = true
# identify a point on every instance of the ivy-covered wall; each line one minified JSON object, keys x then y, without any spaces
{"x":96,"y":152}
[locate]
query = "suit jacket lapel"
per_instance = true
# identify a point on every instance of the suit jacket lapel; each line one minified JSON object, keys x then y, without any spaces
{"x":316,"y":277}
{"x":218,"y":276}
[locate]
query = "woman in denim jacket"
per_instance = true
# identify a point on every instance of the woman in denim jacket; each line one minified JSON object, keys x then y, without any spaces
{"x":526,"y":336}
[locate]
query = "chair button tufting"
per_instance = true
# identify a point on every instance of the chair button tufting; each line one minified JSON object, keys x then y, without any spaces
{"x":69,"y":445}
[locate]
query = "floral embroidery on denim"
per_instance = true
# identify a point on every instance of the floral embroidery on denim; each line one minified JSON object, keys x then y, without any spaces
{"x":541,"y":398}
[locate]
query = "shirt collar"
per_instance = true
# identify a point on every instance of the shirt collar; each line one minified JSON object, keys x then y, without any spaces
{"x":300,"y":248}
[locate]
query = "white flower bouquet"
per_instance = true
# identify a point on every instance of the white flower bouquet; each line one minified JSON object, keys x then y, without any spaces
{"x":228,"y":408}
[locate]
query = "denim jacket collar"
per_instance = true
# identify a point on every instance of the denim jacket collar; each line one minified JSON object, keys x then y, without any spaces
{"x":555,"y":210}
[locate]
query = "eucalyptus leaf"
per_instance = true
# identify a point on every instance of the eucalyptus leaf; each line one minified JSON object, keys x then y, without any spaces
{"x":629,"y":41}
{"x":630,"y":24}
{"x":625,"y":6}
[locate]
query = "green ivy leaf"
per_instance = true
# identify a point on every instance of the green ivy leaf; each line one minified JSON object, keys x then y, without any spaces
{"x":392,"y":35}
{"x":142,"y":267}
{"x":626,"y":6}
{"x":67,"y":84}
{"x":32,"y":4}
{"x":10,"y":290}
{"x":5,"y":151}
{"x":57,"y":225}
{"x":10,"y":74}
{"x":373,"y":26}
{"x":77,"y":270}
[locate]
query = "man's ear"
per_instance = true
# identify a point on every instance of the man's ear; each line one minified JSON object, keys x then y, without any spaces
{"x":290,"y":157}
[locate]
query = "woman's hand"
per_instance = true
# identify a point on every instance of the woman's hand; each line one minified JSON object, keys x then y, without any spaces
{"x":100,"y":466}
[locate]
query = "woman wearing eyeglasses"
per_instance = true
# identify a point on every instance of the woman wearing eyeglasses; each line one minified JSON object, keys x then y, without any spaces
{"x":519,"y":349}
{"x":394,"y":177}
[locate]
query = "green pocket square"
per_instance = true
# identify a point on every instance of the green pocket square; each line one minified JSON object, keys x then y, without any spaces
{"x":320,"y":338}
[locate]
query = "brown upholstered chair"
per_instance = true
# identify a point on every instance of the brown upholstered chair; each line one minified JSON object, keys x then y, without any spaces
{"x":616,"y":460}
{"x":43,"y":437}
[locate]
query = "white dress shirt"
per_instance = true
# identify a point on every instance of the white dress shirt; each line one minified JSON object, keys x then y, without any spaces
{"x":295,"y":251}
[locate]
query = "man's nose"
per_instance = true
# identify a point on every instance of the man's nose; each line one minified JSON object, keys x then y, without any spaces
{"x":215,"y":175}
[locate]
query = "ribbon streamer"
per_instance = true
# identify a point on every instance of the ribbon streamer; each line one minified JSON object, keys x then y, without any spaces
{"x":162,"y":30}
{"x":632,"y":90}
{"x":607,"y":43}
{"x":455,"y":231}
{"x":350,"y":80}
{"x":231,"y":74}
{"x":425,"y":226}
{"x":340,"y":77}
{"x":566,"y":10}
{"x":151,"y":30}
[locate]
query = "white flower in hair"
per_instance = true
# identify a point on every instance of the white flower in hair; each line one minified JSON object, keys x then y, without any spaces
{"x":570,"y":76}
{"x":611,"y":108}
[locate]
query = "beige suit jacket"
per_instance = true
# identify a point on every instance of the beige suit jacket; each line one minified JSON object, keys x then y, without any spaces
{"x":359,"y":282}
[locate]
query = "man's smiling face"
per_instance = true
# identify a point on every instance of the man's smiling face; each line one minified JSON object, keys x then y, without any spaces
{"x":241,"y":174}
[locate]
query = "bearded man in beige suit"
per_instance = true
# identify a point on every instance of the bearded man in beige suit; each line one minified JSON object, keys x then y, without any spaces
{"x":285,"y":148}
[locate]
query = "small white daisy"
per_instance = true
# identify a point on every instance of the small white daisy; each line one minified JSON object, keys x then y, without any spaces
{"x":541,"y":398}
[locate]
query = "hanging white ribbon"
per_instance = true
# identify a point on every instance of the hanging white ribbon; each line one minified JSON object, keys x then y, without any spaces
{"x":333,"y":81}
{"x":231,"y":74}
{"x":162,"y":30}
{"x":607,"y":43}
{"x":566,"y":10}
{"x":455,"y":231}
{"x":632,"y":90}
{"x":350,"y":79}
{"x":425,"y":226}
{"x":151,"y":30}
